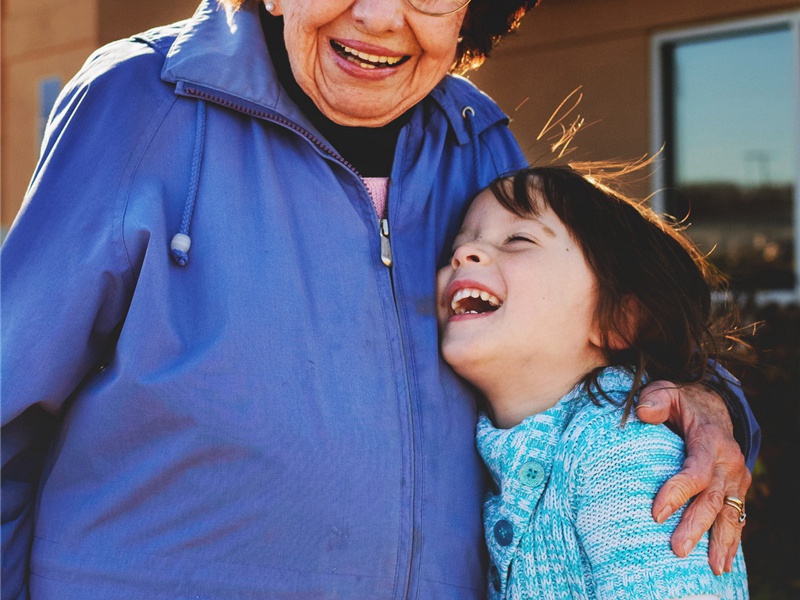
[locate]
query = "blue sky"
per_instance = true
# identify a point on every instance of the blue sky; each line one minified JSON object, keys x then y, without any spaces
{"x":736,"y":109}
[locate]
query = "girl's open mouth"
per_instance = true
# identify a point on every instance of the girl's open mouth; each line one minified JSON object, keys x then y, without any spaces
{"x":471,"y":301}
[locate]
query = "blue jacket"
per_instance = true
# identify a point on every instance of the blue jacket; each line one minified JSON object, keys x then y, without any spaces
{"x":272,"y":419}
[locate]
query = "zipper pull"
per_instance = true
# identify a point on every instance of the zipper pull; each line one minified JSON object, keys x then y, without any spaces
{"x":386,"y":248}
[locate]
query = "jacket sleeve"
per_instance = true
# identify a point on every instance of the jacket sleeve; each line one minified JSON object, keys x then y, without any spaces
{"x":66,"y":285}
{"x":745,"y":427}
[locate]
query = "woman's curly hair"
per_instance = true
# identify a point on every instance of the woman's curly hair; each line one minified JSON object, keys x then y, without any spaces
{"x":485,"y":24}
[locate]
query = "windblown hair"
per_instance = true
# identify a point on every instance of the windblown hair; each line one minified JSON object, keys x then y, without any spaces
{"x":485,"y":24}
{"x":654,"y":288}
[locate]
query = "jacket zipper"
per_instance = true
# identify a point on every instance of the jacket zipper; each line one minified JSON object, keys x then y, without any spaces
{"x":386,"y":246}
{"x":386,"y":258}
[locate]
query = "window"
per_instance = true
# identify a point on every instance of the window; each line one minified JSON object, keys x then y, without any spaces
{"x":49,"y":89}
{"x":726,"y":109}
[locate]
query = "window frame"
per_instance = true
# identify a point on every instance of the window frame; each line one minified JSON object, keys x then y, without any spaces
{"x":659,"y":120}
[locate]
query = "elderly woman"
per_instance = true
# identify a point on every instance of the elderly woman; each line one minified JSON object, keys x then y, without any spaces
{"x":224,"y":277}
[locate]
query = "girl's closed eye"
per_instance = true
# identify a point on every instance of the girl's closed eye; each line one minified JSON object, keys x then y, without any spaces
{"x":517,"y":238}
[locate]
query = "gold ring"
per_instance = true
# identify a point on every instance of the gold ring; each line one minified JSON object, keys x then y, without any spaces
{"x":738,"y":505}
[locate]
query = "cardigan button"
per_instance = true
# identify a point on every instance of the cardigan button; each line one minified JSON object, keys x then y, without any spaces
{"x":503,"y":532}
{"x":532,"y":473}
{"x":494,"y":578}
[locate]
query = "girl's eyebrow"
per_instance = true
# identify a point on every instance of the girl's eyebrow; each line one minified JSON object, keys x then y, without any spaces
{"x":547,"y":230}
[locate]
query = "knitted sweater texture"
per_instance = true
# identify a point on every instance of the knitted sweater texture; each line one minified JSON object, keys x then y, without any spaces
{"x":570,"y":512}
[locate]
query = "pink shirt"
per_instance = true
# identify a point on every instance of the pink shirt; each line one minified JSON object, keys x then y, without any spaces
{"x":379,"y":189}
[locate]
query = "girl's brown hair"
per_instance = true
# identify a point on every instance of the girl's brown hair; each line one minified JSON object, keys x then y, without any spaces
{"x":654,"y":287}
{"x":485,"y":24}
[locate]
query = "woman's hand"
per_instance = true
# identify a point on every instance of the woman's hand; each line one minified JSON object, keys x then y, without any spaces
{"x":714,"y":468}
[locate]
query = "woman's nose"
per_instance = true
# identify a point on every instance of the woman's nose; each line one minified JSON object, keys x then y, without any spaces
{"x":468,"y":253}
{"x":379,"y":16}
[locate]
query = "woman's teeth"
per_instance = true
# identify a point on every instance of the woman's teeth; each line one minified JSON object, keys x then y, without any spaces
{"x":365,"y":60}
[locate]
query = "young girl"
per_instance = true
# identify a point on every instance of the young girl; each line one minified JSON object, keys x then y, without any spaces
{"x":562,"y":298}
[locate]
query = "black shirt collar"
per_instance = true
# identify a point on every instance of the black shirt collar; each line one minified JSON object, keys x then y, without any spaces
{"x":369,"y":149}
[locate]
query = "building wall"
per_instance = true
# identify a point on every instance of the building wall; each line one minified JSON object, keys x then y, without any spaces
{"x":120,"y":19}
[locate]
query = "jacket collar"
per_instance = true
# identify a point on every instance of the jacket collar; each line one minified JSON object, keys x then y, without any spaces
{"x":538,"y":436}
{"x":223,"y":51}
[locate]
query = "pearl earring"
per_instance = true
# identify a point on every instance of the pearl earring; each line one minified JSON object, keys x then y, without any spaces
{"x":269,"y":6}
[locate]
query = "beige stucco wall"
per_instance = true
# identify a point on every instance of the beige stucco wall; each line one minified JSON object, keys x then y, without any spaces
{"x":119,"y":19}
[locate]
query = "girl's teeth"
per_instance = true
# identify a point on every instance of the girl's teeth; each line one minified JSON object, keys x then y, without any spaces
{"x":472,"y":293}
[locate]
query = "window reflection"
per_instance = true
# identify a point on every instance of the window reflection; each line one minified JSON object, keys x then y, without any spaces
{"x":731,"y":147}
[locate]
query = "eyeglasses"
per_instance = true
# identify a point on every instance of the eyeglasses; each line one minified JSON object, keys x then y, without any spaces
{"x":438,"y":8}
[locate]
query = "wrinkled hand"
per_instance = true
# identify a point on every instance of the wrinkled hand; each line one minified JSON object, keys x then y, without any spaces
{"x":714,"y":468}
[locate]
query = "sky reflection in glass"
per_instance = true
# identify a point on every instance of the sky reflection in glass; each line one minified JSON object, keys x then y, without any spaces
{"x":734,"y":112}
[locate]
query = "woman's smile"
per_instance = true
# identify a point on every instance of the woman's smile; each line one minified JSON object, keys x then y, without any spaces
{"x":367,"y":57}
{"x":366,"y":62}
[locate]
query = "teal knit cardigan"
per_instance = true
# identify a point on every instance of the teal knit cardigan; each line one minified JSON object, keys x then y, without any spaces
{"x":569,"y":515}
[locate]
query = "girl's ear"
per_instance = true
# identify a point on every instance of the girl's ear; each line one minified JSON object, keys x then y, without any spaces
{"x":622,"y":330}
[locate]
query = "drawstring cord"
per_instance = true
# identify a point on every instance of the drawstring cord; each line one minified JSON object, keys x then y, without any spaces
{"x":469,"y":116}
{"x":181,"y":242}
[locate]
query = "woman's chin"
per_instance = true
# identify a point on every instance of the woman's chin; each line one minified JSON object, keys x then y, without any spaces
{"x":354,"y":114}
{"x":368,"y":101}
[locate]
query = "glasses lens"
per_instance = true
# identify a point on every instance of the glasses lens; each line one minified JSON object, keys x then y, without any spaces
{"x":438,"y":7}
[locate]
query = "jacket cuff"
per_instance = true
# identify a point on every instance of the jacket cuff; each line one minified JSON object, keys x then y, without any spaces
{"x":746,"y":431}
